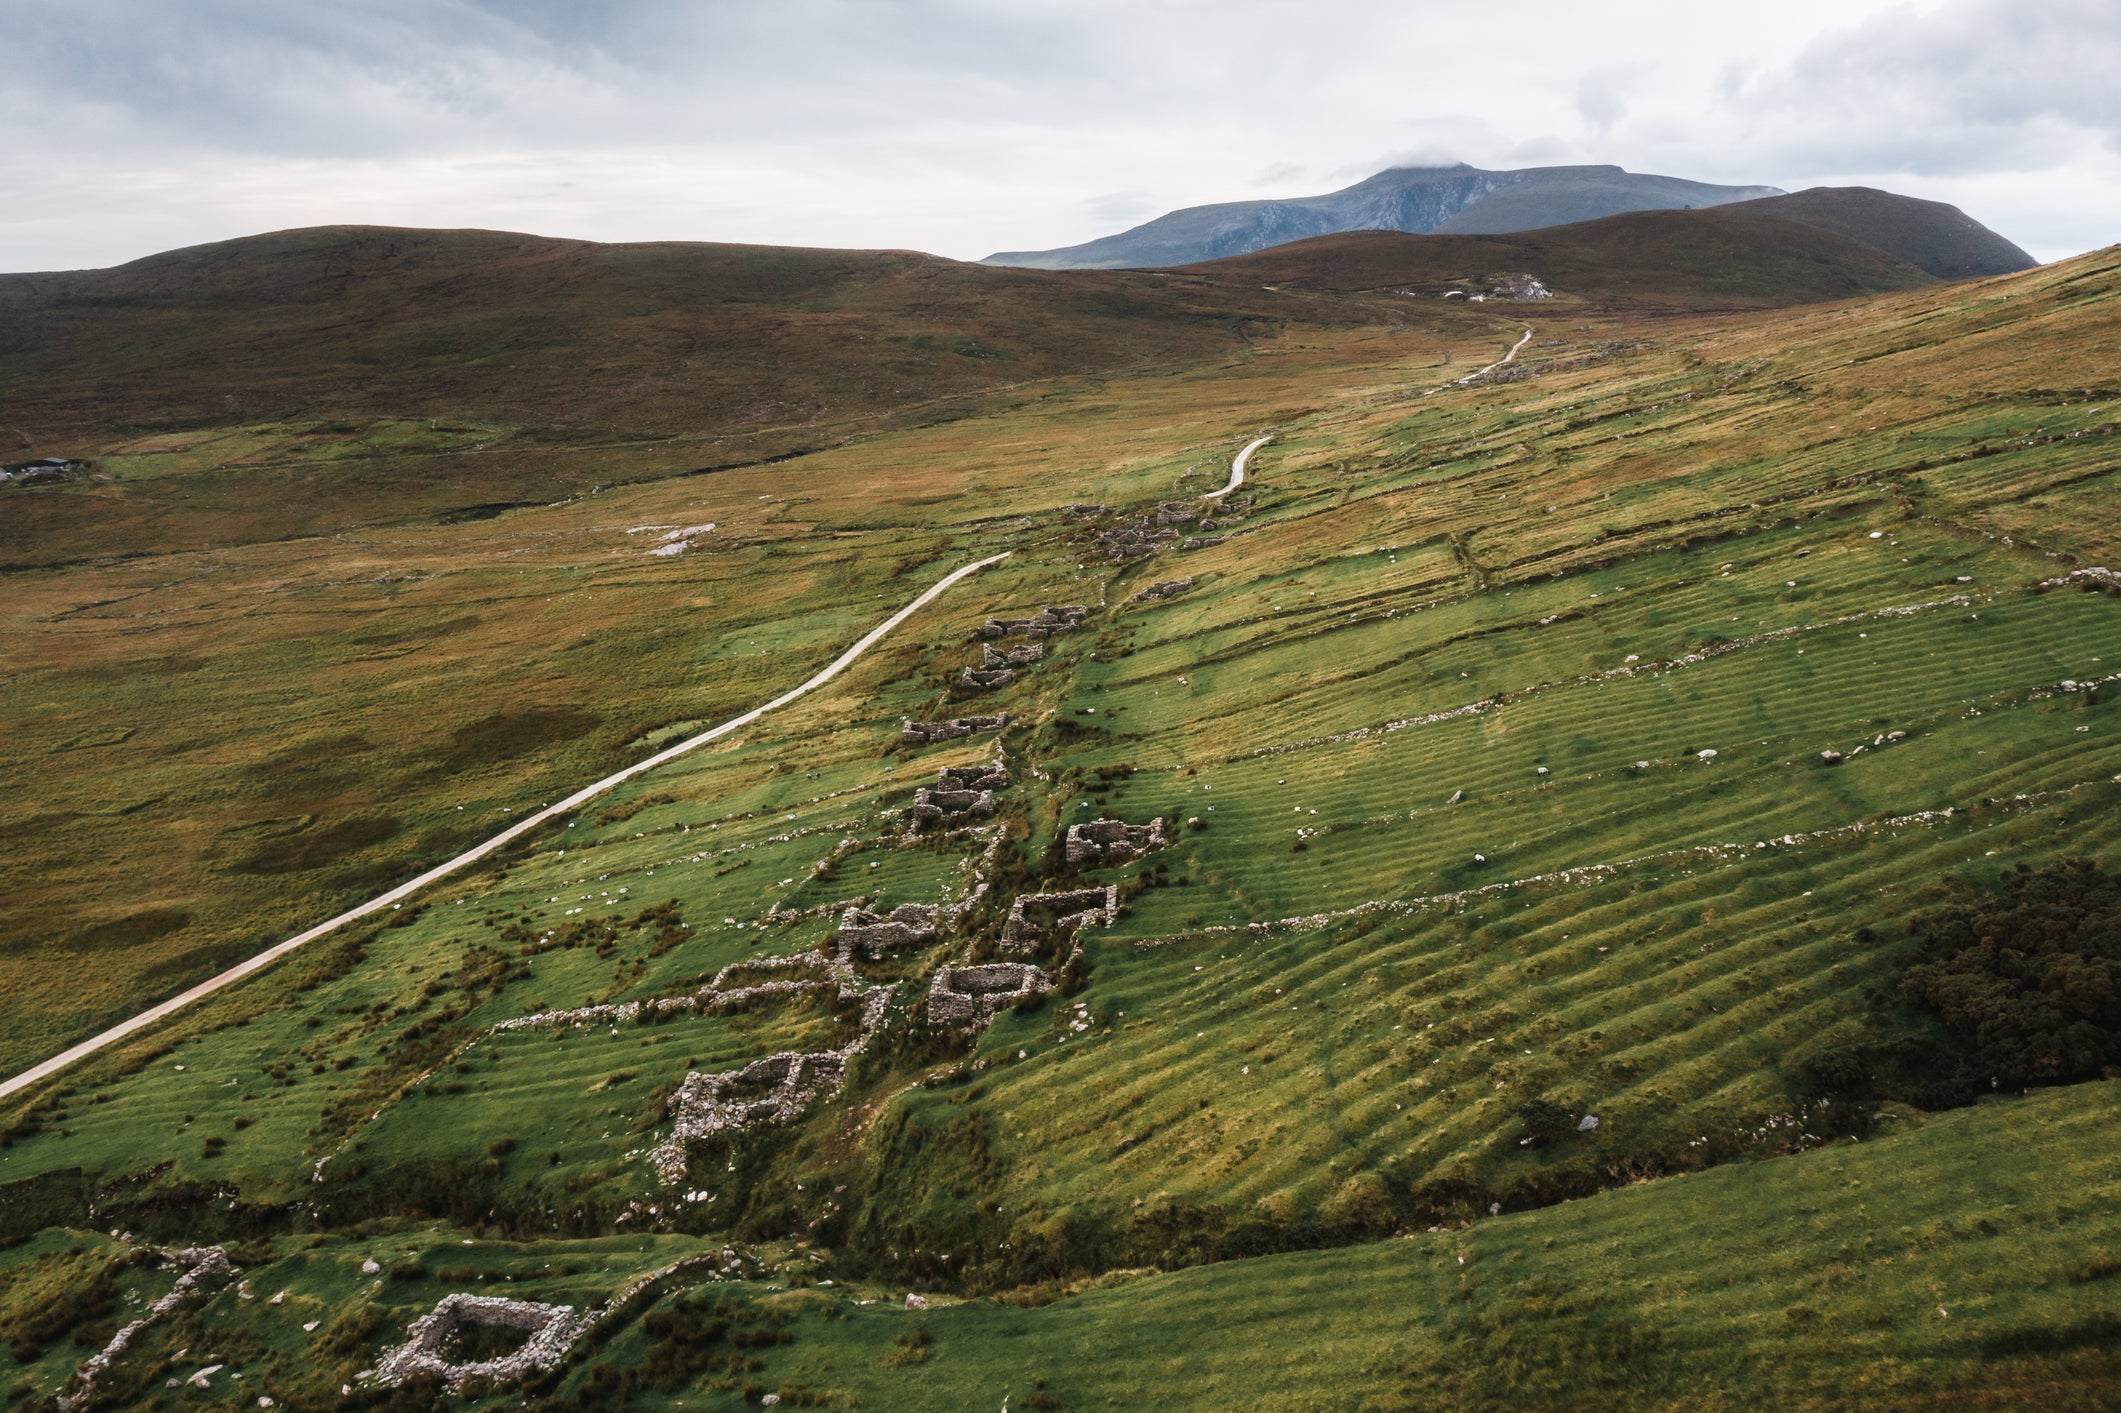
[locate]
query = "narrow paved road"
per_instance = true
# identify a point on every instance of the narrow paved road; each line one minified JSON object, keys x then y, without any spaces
{"x":405,"y":890}
{"x":1237,"y":467}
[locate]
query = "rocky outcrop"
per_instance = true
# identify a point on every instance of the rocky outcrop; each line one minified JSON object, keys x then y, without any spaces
{"x":923,"y":733}
{"x":1049,"y":622}
{"x":976,"y":993}
{"x":1166,"y":588}
{"x":552,"y":1331}
{"x":1109,"y":841}
{"x":870,"y":934}
{"x":1038,"y":921}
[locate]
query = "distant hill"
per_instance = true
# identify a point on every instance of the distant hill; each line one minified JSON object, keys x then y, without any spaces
{"x":1456,"y":199}
{"x":378,"y":321}
{"x":1731,"y":256}
{"x":1930,"y":235}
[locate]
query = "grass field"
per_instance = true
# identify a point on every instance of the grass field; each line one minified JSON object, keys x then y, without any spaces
{"x":1490,"y":741}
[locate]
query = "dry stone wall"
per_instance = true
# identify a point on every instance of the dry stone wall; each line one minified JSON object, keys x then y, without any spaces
{"x":552,"y":1331}
{"x":923,"y":733}
{"x":1109,"y":841}
{"x":1049,"y":622}
{"x":870,"y":934}
{"x":959,"y":994}
{"x":1166,"y":588}
{"x":1037,"y":919}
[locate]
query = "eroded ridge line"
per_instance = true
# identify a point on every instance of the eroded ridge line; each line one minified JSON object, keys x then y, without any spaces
{"x":515,"y":831}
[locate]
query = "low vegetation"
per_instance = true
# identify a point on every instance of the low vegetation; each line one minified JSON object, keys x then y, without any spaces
{"x":1633,"y":924}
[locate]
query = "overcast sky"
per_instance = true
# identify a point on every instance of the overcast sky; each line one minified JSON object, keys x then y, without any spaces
{"x":968,"y":126}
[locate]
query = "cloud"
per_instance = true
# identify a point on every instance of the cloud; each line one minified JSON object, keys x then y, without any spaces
{"x":964,"y":126}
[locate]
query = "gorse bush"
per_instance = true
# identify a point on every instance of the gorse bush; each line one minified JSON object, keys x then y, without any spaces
{"x":2027,"y":973}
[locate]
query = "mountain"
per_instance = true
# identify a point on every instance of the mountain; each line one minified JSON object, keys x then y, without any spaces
{"x":1738,"y":256}
{"x":1929,"y":235}
{"x":1459,"y":199}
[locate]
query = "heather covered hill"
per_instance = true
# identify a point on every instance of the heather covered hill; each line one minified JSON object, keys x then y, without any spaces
{"x":1930,"y":235}
{"x":1730,"y":257}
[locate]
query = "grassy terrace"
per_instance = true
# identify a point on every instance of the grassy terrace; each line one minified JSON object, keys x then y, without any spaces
{"x":1491,"y":738}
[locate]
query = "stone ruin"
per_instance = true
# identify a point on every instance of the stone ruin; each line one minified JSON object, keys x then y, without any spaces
{"x":1194,"y":542}
{"x":993,"y":775}
{"x":924,"y":733}
{"x":1133,"y":539}
{"x":985,"y":678}
{"x":1035,"y":919}
{"x":960,"y":792}
{"x":1048,"y":622}
{"x":1177,"y":512}
{"x":873,"y":934}
{"x":1166,"y":589}
{"x":552,"y":1331}
{"x":772,"y":1090}
{"x":978,"y":993}
{"x":1016,"y":657}
{"x":1109,"y":841}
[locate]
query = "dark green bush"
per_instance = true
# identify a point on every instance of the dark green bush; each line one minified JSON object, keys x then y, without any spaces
{"x":2027,"y":973}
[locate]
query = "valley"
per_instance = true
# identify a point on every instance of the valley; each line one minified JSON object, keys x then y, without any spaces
{"x":1431,"y":930}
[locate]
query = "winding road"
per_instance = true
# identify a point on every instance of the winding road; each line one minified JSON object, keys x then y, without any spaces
{"x":1237,"y":467}
{"x":515,"y":831}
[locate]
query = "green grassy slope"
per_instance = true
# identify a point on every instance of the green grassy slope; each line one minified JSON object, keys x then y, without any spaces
{"x":1500,"y":712}
{"x":1965,"y":1262}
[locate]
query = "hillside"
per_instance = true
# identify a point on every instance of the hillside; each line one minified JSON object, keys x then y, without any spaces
{"x":444,"y":372}
{"x":1526,"y":803}
{"x":1930,"y":235}
{"x":1729,"y":257}
{"x":1458,"y":199}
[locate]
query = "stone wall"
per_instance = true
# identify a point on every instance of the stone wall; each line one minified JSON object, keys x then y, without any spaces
{"x":203,"y":1266}
{"x":1049,"y":622}
{"x":986,"y":678}
{"x":1036,"y":919}
{"x":922,"y":733}
{"x":873,"y":934}
{"x":553,"y":1329}
{"x":976,"y":993}
{"x":1109,"y":841}
{"x":1166,"y":589}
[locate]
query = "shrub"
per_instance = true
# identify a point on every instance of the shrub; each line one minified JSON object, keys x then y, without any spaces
{"x":2027,"y":973}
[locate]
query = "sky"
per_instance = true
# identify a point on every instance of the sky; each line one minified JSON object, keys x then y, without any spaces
{"x":963,"y":127}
